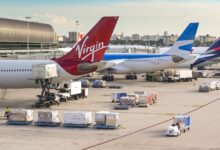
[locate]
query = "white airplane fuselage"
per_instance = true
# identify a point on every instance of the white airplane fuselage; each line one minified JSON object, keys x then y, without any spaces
{"x":143,"y":65}
{"x":18,"y":73}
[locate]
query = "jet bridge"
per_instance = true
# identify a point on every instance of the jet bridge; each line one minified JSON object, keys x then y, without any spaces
{"x":43,"y":75}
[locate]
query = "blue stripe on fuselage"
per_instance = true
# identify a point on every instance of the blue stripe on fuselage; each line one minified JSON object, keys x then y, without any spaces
{"x":111,"y":56}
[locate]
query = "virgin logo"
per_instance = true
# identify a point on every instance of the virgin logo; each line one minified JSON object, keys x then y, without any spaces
{"x":85,"y":51}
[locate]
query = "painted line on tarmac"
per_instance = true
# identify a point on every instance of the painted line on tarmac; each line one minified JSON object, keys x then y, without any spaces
{"x":148,"y":127}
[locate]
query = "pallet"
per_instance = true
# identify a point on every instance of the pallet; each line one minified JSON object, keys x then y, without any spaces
{"x":76,"y":125}
{"x":106,"y":127}
{"x":115,"y":87}
{"x":50,"y":124}
{"x":19,"y":122}
{"x":122,"y":107}
{"x":144,"y":105}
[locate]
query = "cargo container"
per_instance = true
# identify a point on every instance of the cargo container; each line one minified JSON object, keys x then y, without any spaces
{"x":100,"y":117}
{"x":107,"y":120}
{"x":217,"y":85}
{"x":135,"y":97}
{"x":210,"y":86}
{"x":143,"y":101}
{"x":125,"y":102}
{"x":44,"y":71}
{"x":204,"y":87}
{"x":99,"y":84}
{"x":85,"y":83}
{"x":213,"y":85}
{"x":77,"y":119}
{"x":144,"y":92}
{"x":116,"y":96}
{"x":20,"y":117}
{"x":48,"y":118}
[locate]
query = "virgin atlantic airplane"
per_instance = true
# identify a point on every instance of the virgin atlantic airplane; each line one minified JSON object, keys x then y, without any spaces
{"x":84,"y":58}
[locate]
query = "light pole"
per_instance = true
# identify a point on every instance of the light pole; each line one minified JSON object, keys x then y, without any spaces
{"x":77,"y":23}
{"x":28,"y":33}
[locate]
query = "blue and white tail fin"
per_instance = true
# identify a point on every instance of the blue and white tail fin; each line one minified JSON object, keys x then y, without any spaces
{"x":183,"y":45}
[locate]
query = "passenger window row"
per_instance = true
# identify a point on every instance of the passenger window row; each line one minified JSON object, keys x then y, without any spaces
{"x":15,"y":70}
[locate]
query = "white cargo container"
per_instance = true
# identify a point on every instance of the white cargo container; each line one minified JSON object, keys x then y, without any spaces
{"x":144,"y":92}
{"x":204,"y":87}
{"x":77,"y":118}
{"x":44,"y":71}
{"x":143,"y":101}
{"x":105,"y":119}
{"x":70,"y":89}
{"x":127,"y":100}
{"x":21,"y":115}
{"x":217,"y":85}
{"x":213,"y":85}
{"x":48,"y":117}
{"x":100,"y":117}
{"x":135,"y":96}
{"x":112,"y":119}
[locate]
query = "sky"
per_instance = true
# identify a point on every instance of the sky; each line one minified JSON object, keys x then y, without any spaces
{"x":135,"y":16}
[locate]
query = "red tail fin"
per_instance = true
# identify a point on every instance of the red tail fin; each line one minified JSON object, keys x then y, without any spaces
{"x":94,"y":44}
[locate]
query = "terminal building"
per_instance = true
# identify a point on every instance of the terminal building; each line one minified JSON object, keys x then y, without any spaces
{"x":17,"y":34}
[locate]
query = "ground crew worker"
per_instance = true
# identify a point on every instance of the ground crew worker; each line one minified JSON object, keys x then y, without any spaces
{"x":178,"y":124}
{"x":7,"y":112}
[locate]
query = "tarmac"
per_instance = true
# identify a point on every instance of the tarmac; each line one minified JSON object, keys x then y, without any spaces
{"x":141,"y":128}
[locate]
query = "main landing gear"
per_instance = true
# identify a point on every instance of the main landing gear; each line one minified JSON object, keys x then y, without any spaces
{"x":131,"y":76}
{"x":108,"y":77}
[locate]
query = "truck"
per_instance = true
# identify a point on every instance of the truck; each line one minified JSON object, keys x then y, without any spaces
{"x":179,"y":75}
{"x":181,"y":123}
{"x":70,"y":90}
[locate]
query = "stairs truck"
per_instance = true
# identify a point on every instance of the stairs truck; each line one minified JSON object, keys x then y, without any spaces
{"x":70,"y":90}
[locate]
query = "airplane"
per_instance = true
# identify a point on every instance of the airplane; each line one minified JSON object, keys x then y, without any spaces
{"x":195,"y":50}
{"x":210,"y":56}
{"x":121,"y":63}
{"x":84,"y":58}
